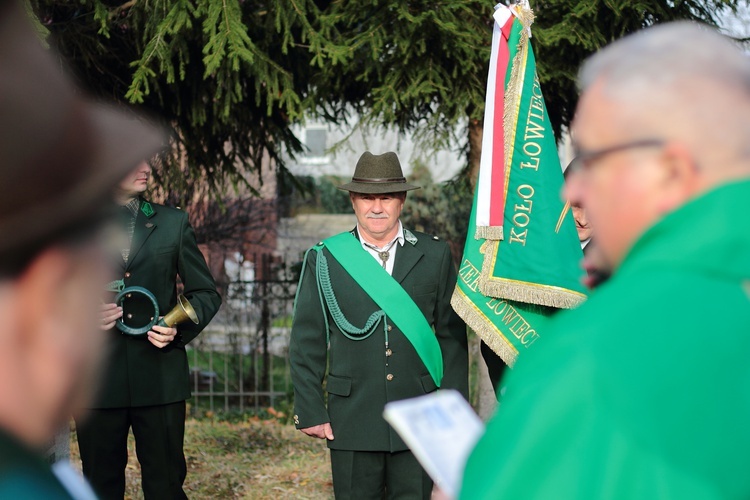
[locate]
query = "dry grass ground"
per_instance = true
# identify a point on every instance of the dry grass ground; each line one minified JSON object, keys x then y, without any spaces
{"x":252,"y":458}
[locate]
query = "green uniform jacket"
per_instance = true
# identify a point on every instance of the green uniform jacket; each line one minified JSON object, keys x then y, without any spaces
{"x":361,"y":378}
{"x":137,"y":373}
{"x":24,"y":475}
{"x":644,"y":391}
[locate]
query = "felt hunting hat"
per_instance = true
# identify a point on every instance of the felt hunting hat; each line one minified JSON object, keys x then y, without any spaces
{"x":61,"y":154}
{"x":378,"y":174}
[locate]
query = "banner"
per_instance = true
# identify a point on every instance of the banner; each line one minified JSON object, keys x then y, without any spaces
{"x":512,"y":277}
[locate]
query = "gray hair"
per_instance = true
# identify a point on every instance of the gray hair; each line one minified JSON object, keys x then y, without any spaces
{"x":679,"y":80}
{"x":665,"y":54}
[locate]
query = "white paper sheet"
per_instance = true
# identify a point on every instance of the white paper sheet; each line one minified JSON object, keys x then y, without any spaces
{"x":441,"y":429}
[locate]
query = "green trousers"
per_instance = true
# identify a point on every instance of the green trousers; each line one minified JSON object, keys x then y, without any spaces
{"x":376,"y":475}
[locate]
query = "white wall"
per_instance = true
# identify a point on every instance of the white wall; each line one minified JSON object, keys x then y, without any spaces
{"x":345,"y":147}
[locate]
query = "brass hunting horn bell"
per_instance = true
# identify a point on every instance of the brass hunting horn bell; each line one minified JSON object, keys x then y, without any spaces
{"x":180,"y":313}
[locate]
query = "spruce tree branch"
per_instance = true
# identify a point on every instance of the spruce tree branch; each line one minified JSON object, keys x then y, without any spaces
{"x":226,"y":16}
{"x":115,"y":11}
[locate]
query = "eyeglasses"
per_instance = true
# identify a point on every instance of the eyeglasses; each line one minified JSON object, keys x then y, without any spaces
{"x":584,"y":160}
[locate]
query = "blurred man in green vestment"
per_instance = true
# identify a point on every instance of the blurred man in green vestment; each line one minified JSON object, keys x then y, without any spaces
{"x":644,"y":391}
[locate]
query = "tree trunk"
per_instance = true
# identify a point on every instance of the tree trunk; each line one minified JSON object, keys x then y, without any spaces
{"x":485,"y":398}
{"x":476,"y":127}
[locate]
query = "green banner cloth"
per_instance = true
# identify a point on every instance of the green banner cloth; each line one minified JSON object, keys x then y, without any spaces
{"x":539,"y":260}
{"x":506,"y":287}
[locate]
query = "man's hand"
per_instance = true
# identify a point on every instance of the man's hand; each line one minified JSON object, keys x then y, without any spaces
{"x":161,"y":336}
{"x":322,"y":431}
{"x":109,"y":313}
{"x":438,"y":494}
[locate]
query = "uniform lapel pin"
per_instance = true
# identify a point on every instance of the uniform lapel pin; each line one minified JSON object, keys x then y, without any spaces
{"x":147,"y":209}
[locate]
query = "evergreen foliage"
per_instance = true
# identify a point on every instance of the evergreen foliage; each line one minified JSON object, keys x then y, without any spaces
{"x":228,"y":77}
{"x":565,"y":32}
{"x":441,"y":209}
{"x":420,"y":65}
{"x":232,"y":76}
{"x":316,"y":195}
{"x":332,"y":199}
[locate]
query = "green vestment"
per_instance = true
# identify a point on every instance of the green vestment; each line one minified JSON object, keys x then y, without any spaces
{"x":644,"y":391}
{"x":23,"y":473}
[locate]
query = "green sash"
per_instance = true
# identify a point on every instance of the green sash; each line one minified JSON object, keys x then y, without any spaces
{"x":390,"y":296}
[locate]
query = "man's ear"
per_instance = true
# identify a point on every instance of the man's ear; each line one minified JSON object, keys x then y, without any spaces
{"x":680,"y":177}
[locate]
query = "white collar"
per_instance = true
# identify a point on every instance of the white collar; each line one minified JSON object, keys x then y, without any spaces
{"x":399,"y":236}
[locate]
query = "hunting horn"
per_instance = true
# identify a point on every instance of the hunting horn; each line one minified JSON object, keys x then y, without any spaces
{"x":180,"y":313}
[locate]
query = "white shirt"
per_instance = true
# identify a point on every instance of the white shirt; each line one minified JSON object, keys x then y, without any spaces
{"x":391,"y":246}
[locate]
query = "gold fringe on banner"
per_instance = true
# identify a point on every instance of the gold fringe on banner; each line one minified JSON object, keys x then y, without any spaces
{"x":525,"y":15}
{"x":523,"y":291}
{"x":483,"y":327}
{"x":489,"y":233}
{"x":514,"y":88}
{"x":531,"y":293}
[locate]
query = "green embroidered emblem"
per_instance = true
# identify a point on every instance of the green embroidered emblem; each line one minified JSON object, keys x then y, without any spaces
{"x":147,"y":209}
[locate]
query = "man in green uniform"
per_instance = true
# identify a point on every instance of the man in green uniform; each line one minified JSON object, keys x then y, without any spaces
{"x":373,"y":305}
{"x":642,"y":392}
{"x":60,"y":158}
{"x":147,"y":378}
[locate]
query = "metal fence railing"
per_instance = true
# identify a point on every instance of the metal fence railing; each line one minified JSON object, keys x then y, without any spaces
{"x":240,"y":362}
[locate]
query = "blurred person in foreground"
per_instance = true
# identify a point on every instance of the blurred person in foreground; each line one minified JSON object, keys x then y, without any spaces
{"x":368,"y":302}
{"x":60,"y":158}
{"x":146,"y":381}
{"x":591,"y":262}
{"x":642,"y":392}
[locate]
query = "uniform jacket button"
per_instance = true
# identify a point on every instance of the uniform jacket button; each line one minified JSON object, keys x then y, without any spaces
{"x":390,"y":328}
{"x":130,"y":316}
{"x":127,"y":274}
{"x":296,"y":420}
{"x":389,"y":377}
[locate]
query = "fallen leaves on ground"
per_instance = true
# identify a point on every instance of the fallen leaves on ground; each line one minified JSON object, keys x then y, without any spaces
{"x":251,"y":459}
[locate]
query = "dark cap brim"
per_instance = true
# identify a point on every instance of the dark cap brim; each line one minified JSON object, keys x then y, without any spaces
{"x":378,"y":187}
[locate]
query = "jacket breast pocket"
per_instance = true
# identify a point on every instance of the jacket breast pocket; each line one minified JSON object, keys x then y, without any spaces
{"x":427,"y":289}
{"x":428,"y":384}
{"x":163,"y":250}
{"x":339,"y":386}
